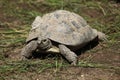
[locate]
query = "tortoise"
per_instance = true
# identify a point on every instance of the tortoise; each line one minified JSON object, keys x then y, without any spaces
{"x":61,"y":32}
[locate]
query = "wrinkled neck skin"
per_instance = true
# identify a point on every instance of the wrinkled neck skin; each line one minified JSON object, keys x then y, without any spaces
{"x":44,"y":44}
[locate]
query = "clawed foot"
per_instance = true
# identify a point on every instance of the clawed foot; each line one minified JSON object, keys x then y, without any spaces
{"x":74,"y":63}
{"x":102,"y":36}
{"x":68,"y":54}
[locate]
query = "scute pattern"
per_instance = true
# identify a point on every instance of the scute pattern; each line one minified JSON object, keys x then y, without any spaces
{"x":65,"y":27}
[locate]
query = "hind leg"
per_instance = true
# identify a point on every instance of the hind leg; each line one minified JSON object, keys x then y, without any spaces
{"x":68,"y":54}
{"x":102,"y":36}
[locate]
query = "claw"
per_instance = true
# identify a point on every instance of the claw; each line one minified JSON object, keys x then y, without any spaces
{"x":102,"y":36}
{"x":23,"y":58}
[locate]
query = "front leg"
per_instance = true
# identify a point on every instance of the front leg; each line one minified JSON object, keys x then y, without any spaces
{"x":68,"y":54}
{"x":26,"y":52}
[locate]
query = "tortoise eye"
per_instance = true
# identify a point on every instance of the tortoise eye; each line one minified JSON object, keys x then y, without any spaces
{"x":44,"y":40}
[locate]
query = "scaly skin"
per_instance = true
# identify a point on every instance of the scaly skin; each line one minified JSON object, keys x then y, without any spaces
{"x":102,"y":36}
{"x":28,"y":49}
{"x":68,"y":54}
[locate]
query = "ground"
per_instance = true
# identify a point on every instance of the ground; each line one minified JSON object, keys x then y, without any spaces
{"x":101,"y":62}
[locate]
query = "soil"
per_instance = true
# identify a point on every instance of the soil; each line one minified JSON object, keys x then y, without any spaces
{"x":100,"y":54}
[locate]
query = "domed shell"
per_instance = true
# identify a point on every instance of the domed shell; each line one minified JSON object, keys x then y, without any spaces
{"x":66,"y":28}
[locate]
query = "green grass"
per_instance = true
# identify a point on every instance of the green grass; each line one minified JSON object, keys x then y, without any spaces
{"x":39,"y":66}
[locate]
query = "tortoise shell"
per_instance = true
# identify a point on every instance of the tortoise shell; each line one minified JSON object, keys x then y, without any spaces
{"x":63,"y":27}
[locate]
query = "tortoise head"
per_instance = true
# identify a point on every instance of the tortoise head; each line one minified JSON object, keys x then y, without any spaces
{"x":44,"y":44}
